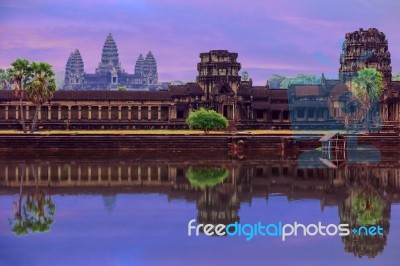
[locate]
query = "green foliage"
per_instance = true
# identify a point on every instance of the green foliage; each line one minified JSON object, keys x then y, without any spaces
{"x":278,"y":81}
{"x":367,"y":207}
{"x":40,"y":86}
{"x":206,"y":176}
{"x":122,"y":88}
{"x":4,"y":80}
{"x":206,"y":120}
{"x":368,"y":85}
{"x":396,"y":76}
{"x":41,"y":82}
{"x":35,"y":215}
{"x":300,"y":79}
{"x":19,"y":72}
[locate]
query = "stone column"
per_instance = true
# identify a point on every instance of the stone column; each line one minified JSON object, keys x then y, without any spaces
{"x":79,"y":112}
{"x":40,"y":113}
{"x":6,"y":112}
{"x":59,"y":112}
{"x":98,"y":174}
{"x":26,"y":112}
{"x":99,"y":114}
{"x":89,"y":173}
{"x":17,"y":112}
{"x":49,"y":112}
{"x":89,"y":112}
{"x":148,"y":112}
{"x":6,"y":173}
{"x":119,"y":112}
{"x":59,"y":173}
{"x":159,"y":113}
{"x":139,"y":115}
{"x":129,"y":112}
{"x":69,"y":173}
{"x":109,"y":112}
{"x":79,"y":173}
{"x":49,"y":173}
{"x":129,"y":173}
{"x":69,"y":112}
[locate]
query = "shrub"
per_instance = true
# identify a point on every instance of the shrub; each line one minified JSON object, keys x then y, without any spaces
{"x":206,"y":120}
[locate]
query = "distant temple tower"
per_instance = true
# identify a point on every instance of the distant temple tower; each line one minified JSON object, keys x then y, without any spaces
{"x":139,"y":67}
{"x":365,"y":48}
{"x":109,"y":57}
{"x":74,"y":70}
{"x":150,"y":68}
{"x":218,"y":70}
{"x":109,"y":73}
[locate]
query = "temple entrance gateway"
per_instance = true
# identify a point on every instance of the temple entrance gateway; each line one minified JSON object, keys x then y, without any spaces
{"x":228,"y":111}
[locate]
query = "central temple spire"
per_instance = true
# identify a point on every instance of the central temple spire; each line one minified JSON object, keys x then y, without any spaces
{"x":109,"y":56}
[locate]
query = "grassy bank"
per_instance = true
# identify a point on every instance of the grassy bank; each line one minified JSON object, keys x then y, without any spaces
{"x":162,"y":132}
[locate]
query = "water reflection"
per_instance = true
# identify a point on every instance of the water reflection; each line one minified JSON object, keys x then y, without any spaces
{"x":34,"y":211}
{"x":362,"y":193}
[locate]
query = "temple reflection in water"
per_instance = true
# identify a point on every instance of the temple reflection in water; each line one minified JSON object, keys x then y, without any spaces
{"x":217,"y":183}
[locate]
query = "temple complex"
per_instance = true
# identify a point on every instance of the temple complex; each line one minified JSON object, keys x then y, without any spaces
{"x":92,"y":101}
{"x":109,"y":74}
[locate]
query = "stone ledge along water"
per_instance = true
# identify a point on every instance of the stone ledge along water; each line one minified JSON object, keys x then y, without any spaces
{"x":188,"y":142}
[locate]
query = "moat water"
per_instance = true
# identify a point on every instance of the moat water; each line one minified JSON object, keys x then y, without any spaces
{"x":121,"y":208}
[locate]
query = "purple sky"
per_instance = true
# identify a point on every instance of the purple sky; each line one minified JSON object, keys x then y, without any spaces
{"x":271,"y":36}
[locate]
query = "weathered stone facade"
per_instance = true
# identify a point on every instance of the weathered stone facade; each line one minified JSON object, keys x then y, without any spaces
{"x":109,"y":74}
{"x":365,"y":48}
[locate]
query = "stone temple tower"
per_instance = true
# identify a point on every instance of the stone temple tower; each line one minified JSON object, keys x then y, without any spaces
{"x":139,"y":67}
{"x":150,"y":68}
{"x":218,"y":70}
{"x":74,"y":70}
{"x":109,"y":57}
{"x":365,"y":48}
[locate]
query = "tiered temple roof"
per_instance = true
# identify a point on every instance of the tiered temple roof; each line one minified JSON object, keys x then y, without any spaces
{"x":109,"y":56}
{"x":365,"y":48}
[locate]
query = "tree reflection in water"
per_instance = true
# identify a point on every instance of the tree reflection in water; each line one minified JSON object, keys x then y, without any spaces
{"x":35,"y":212}
{"x":367,"y":204}
{"x":207,"y":176}
{"x":367,"y":207}
{"x":219,"y":201}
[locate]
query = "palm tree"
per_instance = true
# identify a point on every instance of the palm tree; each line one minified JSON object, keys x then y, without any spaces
{"x":40,"y":86}
{"x":368,"y":88}
{"x":18,"y":72}
{"x":36,"y":213}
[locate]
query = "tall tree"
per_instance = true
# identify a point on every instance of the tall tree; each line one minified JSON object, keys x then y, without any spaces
{"x":368,"y":87}
{"x":18,"y":72}
{"x":40,"y":86}
{"x":3,"y":79}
